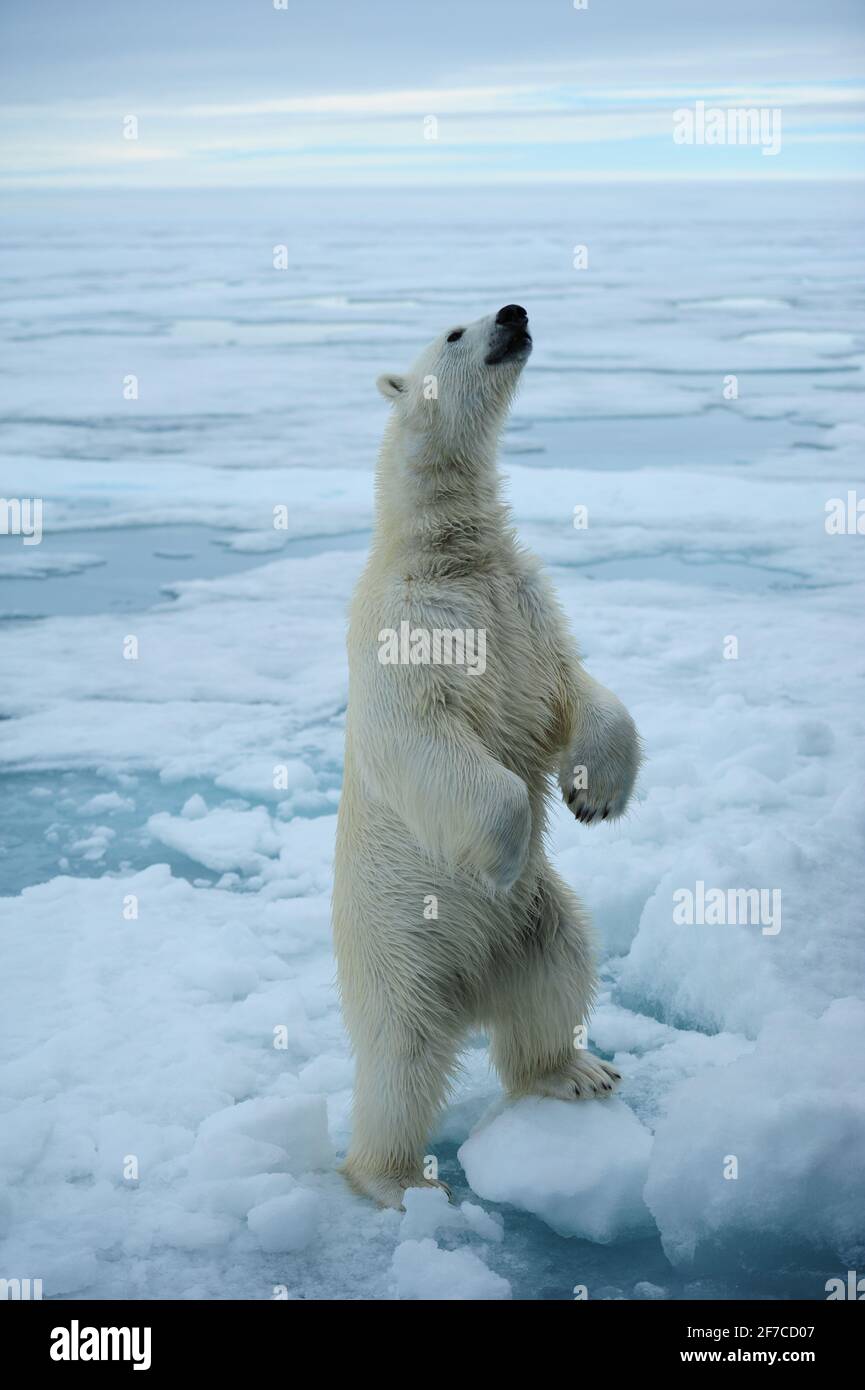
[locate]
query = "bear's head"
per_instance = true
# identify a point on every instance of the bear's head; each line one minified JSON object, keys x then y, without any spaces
{"x":457,"y":393}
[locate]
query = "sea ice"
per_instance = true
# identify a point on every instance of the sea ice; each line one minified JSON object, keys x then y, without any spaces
{"x":175,"y":1083}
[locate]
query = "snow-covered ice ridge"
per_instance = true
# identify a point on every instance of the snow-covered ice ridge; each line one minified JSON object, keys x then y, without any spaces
{"x":175,"y":1079}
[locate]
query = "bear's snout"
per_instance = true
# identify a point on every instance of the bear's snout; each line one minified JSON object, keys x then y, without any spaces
{"x":510,"y":337}
{"x":512,"y":315}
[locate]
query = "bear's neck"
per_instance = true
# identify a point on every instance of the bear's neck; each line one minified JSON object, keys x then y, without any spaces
{"x":439,"y":515}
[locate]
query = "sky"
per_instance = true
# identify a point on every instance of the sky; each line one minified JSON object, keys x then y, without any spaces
{"x":235,"y":93}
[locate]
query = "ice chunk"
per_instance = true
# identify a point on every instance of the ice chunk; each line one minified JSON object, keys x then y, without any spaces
{"x":423,"y":1271}
{"x":705,"y":975}
{"x":120,"y":1137}
{"x":266,"y":778}
{"x":233,"y":1196}
{"x":221,"y":840}
{"x":428,"y":1210}
{"x":286,"y":1223}
{"x":581,"y":1167}
{"x":649,"y":1078}
{"x":107,"y":801}
{"x":93,"y":847}
{"x":769,"y":1155}
{"x":489,"y":1225}
{"x":233,"y":1155}
{"x":647,"y":1290}
{"x":296,"y":1125}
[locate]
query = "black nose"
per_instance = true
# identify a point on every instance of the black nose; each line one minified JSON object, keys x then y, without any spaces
{"x":513,"y":314}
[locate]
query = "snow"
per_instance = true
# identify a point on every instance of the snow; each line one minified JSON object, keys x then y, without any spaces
{"x":175,"y":1080}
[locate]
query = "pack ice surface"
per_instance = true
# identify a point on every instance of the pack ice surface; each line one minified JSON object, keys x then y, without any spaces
{"x":175,"y":1077}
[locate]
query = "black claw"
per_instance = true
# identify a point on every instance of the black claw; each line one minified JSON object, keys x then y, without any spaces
{"x":572,"y":795}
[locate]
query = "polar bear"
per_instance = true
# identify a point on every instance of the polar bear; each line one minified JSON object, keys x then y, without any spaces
{"x":447,"y":913}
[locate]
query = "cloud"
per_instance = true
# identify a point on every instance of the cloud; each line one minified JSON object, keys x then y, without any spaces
{"x":604,"y":108}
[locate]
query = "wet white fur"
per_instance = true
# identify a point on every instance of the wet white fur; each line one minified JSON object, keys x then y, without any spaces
{"x":447,"y":776}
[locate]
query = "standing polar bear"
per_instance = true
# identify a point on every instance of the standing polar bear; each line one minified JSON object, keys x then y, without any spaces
{"x":466,"y":695}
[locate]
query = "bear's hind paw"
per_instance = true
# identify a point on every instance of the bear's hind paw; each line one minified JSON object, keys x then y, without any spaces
{"x":387,"y":1191}
{"x":584,"y":1078}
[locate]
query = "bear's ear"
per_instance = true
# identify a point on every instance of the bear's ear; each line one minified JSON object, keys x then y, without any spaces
{"x":391,"y":385}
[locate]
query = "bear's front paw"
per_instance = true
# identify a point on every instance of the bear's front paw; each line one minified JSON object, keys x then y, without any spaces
{"x":598,"y":773}
{"x":584,"y":1078}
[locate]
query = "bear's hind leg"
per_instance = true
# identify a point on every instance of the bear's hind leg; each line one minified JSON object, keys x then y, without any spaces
{"x":542,"y":998}
{"x":400,"y":1085}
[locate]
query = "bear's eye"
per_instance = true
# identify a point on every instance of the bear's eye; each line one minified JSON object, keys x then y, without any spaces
{"x":456,"y":335}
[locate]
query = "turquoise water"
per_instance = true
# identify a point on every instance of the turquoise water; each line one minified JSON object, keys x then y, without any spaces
{"x":135,"y":567}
